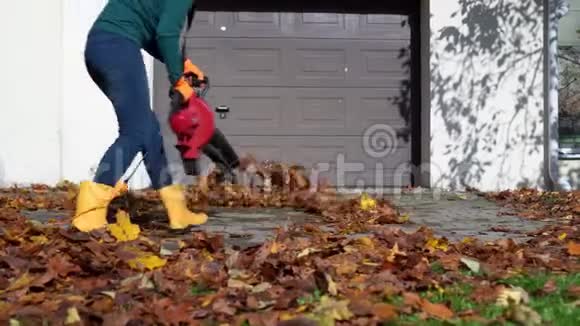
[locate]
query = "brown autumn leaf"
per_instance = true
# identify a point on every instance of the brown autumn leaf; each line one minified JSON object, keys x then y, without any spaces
{"x":573,"y":291}
{"x":574,"y":248}
{"x":221,"y":306}
{"x":384,"y":311}
{"x":61,"y":266}
{"x":436,"y":310}
{"x":361,"y":307}
{"x":412,"y":299}
{"x":550,"y":287}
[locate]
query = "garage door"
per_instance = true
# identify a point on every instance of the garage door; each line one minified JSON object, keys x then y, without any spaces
{"x":320,"y":90}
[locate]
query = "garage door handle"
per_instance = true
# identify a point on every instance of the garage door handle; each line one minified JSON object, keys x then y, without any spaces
{"x":222,"y":110}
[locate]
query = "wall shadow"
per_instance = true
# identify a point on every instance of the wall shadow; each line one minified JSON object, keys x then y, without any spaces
{"x":490,"y":54}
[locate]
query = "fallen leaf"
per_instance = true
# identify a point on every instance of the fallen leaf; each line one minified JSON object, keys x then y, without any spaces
{"x":573,"y":291}
{"x":307,"y":252}
{"x":330,"y":310}
{"x":221,"y":306}
{"x":275,"y":248}
{"x":62,"y":266}
{"x":21,"y":282}
{"x":472,"y":264}
{"x":574,"y":248}
{"x":72,"y":316}
{"x":550,"y":287}
{"x":393,"y":253}
{"x":237,"y":284}
{"x":384,"y":311}
{"x":264,"y":286}
{"x":366,"y":241}
{"x":436,"y":310}
{"x":412,"y":299}
{"x":434,"y":244}
{"x":523,"y":315}
{"x":514,"y":294}
{"x":124,"y":230}
{"x":331,"y":285}
{"x":367,"y":202}
{"x":562,"y":236}
{"x":148,"y":261}
{"x":39,"y":239}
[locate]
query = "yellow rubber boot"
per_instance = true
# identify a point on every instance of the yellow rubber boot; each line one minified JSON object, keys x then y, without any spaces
{"x":180,"y":216}
{"x":91,"y":204}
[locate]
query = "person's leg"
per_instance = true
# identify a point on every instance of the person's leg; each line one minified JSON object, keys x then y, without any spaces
{"x":116,"y":65}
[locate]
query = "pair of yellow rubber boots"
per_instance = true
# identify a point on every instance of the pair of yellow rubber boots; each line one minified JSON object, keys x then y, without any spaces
{"x":94,"y":198}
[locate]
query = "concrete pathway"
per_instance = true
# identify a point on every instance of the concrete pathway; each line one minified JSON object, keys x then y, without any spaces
{"x":454,"y":216}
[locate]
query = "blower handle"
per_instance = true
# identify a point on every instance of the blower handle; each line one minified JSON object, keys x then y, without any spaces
{"x":201,"y":86}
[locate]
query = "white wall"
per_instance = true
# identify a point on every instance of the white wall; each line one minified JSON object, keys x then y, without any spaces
{"x":30,"y":88}
{"x":486,"y":94}
{"x":55,"y":122}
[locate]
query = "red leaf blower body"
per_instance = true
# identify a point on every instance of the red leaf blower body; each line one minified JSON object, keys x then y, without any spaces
{"x":194,"y":126}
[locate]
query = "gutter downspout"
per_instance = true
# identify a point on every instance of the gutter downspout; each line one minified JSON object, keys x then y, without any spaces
{"x":554,"y":10}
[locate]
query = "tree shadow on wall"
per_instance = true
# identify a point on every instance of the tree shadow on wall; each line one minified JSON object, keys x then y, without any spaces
{"x":403,"y":100}
{"x":491,"y":45}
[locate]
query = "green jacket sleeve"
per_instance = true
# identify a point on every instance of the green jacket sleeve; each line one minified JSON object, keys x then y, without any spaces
{"x":168,"y":31}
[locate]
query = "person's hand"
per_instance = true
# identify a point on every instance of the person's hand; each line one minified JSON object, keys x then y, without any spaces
{"x":180,"y":93}
{"x":191,"y":70}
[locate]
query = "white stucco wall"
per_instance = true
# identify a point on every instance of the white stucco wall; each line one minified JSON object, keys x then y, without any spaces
{"x":486,"y":94}
{"x":31,"y":90}
{"x":55,"y":122}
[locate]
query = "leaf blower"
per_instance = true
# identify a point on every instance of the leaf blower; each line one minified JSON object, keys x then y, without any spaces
{"x":194,"y":126}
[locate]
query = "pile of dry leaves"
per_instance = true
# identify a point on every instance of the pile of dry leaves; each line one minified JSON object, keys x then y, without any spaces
{"x":120,"y":276}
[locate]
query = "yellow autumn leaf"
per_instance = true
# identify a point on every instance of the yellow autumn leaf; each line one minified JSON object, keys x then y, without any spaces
{"x":467,"y":240}
{"x":514,"y":295}
{"x":287,"y":316}
{"x":206,"y":254}
{"x":39,"y":239}
{"x":404,"y":218}
{"x":23,"y":281}
{"x":367,"y":202}
{"x":367,"y":262}
{"x":72,"y":316}
{"x":307,"y":252}
{"x":208,"y":300}
{"x":331,"y":285}
{"x":393,"y":253}
{"x":562,"y":236}
{"x":433,"y":244}
{"x":275,"y":248}
{"x":148,"y":261}
{"x":330,"y":310}
{"x":124,"y":230}
{"x":366,"y":241}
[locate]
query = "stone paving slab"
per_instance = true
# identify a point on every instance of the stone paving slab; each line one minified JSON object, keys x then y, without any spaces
{"x":454,"y":216}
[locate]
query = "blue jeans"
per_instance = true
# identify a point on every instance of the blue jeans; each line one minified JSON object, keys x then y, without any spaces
{"x":116,"y":65}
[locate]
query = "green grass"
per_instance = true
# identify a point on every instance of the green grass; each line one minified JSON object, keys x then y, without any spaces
{"x":554,"y":308}
{"x":310,"y":298}
{"x":200,"y":289}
